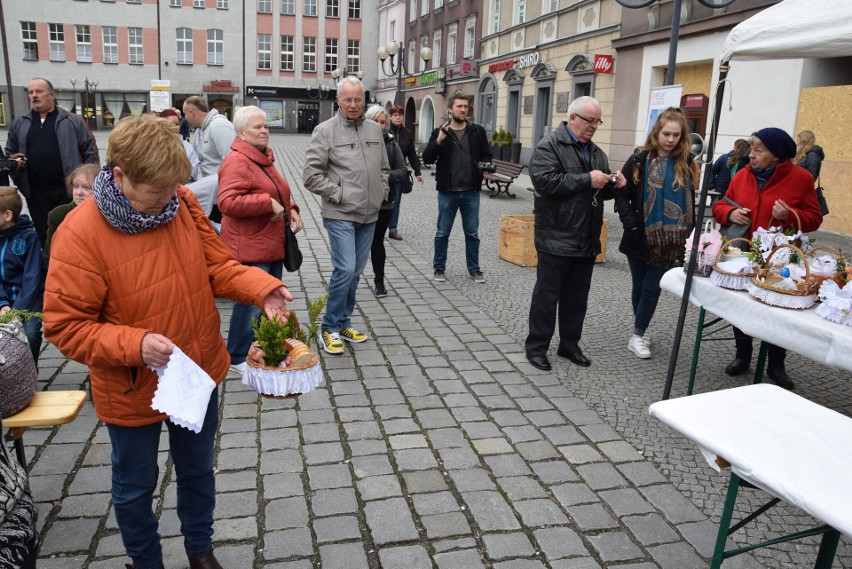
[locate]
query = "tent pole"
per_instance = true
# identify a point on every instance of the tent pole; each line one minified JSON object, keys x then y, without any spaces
{"x":699,"y":220}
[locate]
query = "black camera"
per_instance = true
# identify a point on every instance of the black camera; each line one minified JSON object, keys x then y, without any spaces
{"x":486,"y":167}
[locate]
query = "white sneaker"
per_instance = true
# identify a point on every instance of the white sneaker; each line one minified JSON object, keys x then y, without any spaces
{"x":238,"y":369}
{"x":640,"y":346}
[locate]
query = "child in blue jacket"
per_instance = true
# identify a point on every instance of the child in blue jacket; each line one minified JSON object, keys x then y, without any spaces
{"x":22,"y":265}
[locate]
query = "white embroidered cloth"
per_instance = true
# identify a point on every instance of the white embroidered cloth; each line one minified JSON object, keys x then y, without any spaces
{"x":183,"y":391}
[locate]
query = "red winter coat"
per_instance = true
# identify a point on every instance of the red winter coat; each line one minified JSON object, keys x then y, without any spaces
{"x":106,"y":289}
{"x":248,"y":228}
{"x":790,"y":183}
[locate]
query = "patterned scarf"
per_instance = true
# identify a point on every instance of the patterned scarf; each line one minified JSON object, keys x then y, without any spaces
{"x":118,"y":211}
{"x":668,"y":217}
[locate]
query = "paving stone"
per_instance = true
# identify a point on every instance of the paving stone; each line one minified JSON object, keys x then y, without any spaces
{"x":559,"y":542}
{"x":619,"y":451}
{"x":675,"y":556}
{"x":437,"y":503}
{"x":600,"y":475}
{"x":464,"y":559}
{"x":335,"y":501}
{"x":288,"y":543}
{"x":68,"y":536}
{"x":674,"y":506}
{"x":371,"y":465}
{"x":390,"y":521}
{"x":446,"y":438}
{"x":399,"y":442}
{"x":286,"y":513}
{"x":493,"y":446}
{"x":405,"y":557}
{"x":281,"y":418}
{"x":415,"y":459}
{"x":459,"y":458}
{"x":490,"y":511}
{"x":378,"y":487}
{"x":320,"y":433}
{"x":599,"y":432}
{"x":88,"y":506}
{"x":652,"y":529}
{"x":448,"y":524}
{"x":235,"y":504}
{"x":554,"y":472}
{"x":273,"y":439}
{"x":626,"y":501}
{"x":236,"y":459}
{"x":520,"y":564}
{"x":590,"y":517}
{"x":471,"y":479}
{"x":522,"y":434}
{"x":580,"y":454}
{"x":563,"y":435}
{"x":323,"y":453}
{"x":281,"y":461}
{"x":343,"y":555}
{"x":537,"y":450}
{"x":641,"y":473}
{"x":424,"y":481}
{"x":398,"y":426}
{"x":282,"y":485}
{"x":538,"y":513}
{"x":521,"y":488}
{"x":453,"y":544}
{"x":507,"y":465}
{"x":506,"y":545}
{"x":616,"y":546}
{"x":329,"y":476}
{"x":236,"y":529}
{"x":435,"y":418}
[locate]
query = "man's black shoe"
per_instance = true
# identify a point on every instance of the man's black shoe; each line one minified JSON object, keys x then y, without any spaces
{"x":738,"y":366}
{"x":575,"y":357}
{"x":780,"y":377}
{"x":539,"y":362}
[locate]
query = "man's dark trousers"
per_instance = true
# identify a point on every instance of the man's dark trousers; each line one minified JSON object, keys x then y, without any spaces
{"x":564,"y":281}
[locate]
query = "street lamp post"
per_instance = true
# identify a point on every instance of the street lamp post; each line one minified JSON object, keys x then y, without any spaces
{"x":341,"y":72}
{"x":321,"y":91}
{"x":89,"y":87}
{"x":397,"y":66}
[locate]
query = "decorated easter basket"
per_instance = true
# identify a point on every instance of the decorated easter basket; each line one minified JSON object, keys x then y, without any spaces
{"x":298,"y":374}
{"x":766,"y":284}
{"x":726,"y":279}
{"x":836,"y":305}
{"x":820,"y":271}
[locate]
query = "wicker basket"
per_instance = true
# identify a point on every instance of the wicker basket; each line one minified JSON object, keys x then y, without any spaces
{"x":835,"y":306}
{"x":818,"y":279}
{"x":301,"y":376}
{"x":763,"y":285}
{"x":725,"y":279}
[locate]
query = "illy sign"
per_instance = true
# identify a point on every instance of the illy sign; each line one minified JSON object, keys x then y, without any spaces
{"x":603,"y":63}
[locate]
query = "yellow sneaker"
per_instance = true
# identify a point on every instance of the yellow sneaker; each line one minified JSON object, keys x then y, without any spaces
{"x":331,"y":342}
{"x":353,"y":335}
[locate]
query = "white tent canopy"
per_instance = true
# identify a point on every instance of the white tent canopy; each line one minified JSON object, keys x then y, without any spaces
{"x":793,"y":29}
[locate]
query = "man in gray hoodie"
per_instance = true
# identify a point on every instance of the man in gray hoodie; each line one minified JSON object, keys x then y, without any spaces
{"x":347,"y":164}
{"x":212,"y":142}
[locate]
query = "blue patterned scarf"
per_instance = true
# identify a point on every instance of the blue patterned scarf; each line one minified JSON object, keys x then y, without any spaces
{"x":668,"y":217}
{"x":119,"y":213}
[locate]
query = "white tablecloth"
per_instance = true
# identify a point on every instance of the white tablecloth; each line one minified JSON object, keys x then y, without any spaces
{"x":800,"y":331}
{"x":790,"y":447}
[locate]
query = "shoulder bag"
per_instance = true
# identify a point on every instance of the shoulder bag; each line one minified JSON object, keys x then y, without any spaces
{"x":408,"y":183}
{"x":823,"y":205}
{"x":18,"y":373}
{"x":292,"y":254}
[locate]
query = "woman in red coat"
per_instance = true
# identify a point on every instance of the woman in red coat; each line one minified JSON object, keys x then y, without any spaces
{"x":255,"y":203}
{"x":766,"y":191}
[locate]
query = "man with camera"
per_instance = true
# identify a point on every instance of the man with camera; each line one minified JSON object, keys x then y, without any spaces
{"x":461,"y":150}
{"x":571,"y":178}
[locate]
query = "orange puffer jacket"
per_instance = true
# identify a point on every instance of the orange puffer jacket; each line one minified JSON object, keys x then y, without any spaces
{"x":248,"y":228}
{"x":106,"y":289}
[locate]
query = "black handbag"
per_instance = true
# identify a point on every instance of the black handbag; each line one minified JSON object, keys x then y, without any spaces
{"x":408,"y":183}
{"x":292,"y":254}
{"x":823,"y":205}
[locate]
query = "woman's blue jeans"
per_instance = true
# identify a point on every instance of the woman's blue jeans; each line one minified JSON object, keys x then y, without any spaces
{"x":240,"y":335}
{"x":394,"y":218}
{"x":645,"y":293}
{"x":349,"y":243}
{"x":134,"y":481}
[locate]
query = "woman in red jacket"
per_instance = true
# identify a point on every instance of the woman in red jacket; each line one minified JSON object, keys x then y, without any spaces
{"x":766,"y":191}
{"x":255,"y":203}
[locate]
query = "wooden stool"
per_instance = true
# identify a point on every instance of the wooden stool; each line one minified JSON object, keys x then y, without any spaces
{"x":48,"y":408}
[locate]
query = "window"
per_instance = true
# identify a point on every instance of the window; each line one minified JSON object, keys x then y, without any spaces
{"x":424,"y":43}
{"x":353,"y":56}
{"x":452,"y":34}
{"x":548,"y":6}
{"x":519,"y":14}
{"x":412,"y":10}
{"x":215,"y":47}
{"x":288,"y":54}
{"x":222,"y":4}
{"x":184,"y":46}
{"x":174,"y":3}
{"x":135,"y":50}
{"x":469,"y":37}
{"x":436,"y":49}
{"x":310,"y":7}
{"x":28,"y":36}
{"x":56,"y":33}
{"x":199,"y":4}
{"x":288,"y":6}
{"x":330,"y":54}
{"x":332,"y":8}
{"x":309,"y":54}
{"x":438,"y":3}
{"x":264,"y":6}
{"x":392,"y":31}
{"x":494,"y":23}
{"x":110,"y":44}
{"x":354,"y":9}
{"x":264,"y":51}
{"x":132,"y":1}
{"x":424,"y":7}
{"x":84,"y":43}
{"x":409,"y":66}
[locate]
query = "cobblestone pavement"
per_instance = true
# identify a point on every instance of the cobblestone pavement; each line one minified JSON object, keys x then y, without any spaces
{"x":435,"y":444}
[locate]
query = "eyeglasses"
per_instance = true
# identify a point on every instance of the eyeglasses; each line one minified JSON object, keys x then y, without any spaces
{"x":349,"y":101}
{"x":593,"y":122}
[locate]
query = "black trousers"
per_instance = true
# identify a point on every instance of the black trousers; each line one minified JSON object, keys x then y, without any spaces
{"x":562,"y":283}
{"x":40,"y":202}
{"x":744,"y":350}
{"x":377,"y":249}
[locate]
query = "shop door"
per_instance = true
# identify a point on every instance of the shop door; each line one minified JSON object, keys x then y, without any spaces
{"x":308,"y":117}
{"x":542,"y":126}
{"x":513,"y":104}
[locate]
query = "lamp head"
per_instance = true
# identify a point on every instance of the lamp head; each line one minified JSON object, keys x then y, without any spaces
{"x":337,"y":73}
{"x":392,"y":47}
{"x":426,"y":54}
{"x":382,"y":53}
{"x":73,"y":82}
{"x":360,"y":75}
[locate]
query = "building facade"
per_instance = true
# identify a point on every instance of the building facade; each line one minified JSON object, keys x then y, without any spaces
{"x":128,"y":57}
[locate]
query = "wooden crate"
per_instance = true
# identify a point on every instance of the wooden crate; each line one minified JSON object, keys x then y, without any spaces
{"x":517,"y":243}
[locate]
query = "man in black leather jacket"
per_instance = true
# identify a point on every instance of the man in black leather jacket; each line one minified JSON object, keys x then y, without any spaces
{"x":572,"y":179}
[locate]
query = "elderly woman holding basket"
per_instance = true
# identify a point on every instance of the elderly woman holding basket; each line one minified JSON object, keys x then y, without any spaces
{"x":765,"y":193}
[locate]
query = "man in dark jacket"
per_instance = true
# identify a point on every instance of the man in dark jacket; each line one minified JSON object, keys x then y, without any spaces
{"x":571,"y":178}
{"x":458,"y":146}
{"x":51,"y":142}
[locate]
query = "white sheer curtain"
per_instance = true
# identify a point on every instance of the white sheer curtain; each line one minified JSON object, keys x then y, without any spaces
{"x":136,"y":102}
{"x":66,"y":100}
{"x":114,"y":103}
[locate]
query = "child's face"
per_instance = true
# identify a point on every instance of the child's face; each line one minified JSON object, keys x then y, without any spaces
{"x":81,"y":188}
{"x":7,"y":220}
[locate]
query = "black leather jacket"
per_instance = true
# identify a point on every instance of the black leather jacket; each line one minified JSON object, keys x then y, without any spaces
{"x":568,"y":211}
{"x":443,"y":154}
{"x":406,"y":145}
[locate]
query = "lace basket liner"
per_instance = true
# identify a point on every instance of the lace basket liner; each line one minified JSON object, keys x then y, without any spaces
{"x":282,"y":382}
{"x":778,"y":299}
{"x":725,"y":279}
{"x":836,"y":303}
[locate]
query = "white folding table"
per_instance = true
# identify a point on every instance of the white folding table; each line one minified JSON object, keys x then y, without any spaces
{"x":792,"y":448}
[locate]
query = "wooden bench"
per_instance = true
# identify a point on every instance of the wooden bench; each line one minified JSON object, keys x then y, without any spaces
{"x":500,"y":180}
{"x":48,"y":408}
{"x":419,"y":147}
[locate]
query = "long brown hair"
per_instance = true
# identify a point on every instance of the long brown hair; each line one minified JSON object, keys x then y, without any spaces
{"x":686,"y":170}
{"x":741,"y":147}
{"x":804,"y":142}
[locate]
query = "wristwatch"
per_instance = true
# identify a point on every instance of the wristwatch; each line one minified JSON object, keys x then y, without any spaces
{"x":613,"y":178}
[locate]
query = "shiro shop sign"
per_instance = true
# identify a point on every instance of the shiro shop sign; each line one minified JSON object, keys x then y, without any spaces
{"x":528,"y":60}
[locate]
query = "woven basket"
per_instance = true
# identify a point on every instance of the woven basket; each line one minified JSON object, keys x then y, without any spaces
{"x":763,"y":285}
{"x":301,"y":376}
{"x":725,"y":279}
{"x":818,"y":279}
